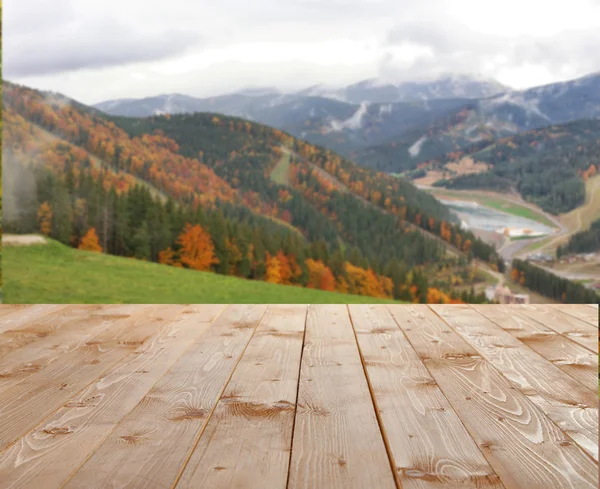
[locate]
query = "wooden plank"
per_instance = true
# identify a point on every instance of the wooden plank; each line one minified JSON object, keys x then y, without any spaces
{"x":429,"y":444}
{"x":579,"y":312}
{"x":59,"y":321}
{"x":47,"y":456}
{"x":523,"y":446}
{"x":565,"y":401}
{"x":579,"y":331}
{"x":28,"y":403}
{"x":248,"y":439}
{"x":337,"y":441}
{"x":21,"y":316}
{"x":573,"y":359}
{"x":31,"y":358}
{"x":6,"y":309}
{"x":27,"y":333}
{"x":153,"y":442}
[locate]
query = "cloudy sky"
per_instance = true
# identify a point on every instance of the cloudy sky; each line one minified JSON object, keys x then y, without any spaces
{"x":96,"y":50}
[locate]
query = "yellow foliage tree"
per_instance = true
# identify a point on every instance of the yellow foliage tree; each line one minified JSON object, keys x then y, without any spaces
{"x":44,"y":216}
{"x":273,"y":269}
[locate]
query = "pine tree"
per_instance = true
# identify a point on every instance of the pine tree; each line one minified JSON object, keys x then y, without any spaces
{"x":141,"y":242}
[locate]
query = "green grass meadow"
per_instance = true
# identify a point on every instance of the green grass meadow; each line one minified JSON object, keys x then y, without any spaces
{"x":54,"y":273}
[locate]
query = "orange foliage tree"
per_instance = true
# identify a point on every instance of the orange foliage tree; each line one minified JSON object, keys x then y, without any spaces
{"x":197,"y":249}
{"x":366,"y":282}
{"x":319,"y":275}
{"x":435,"y":296}
{"x":90,"y":241}
{"x":167,"y":257}
{"x":514,"y":274}
{"x":44,"y":216}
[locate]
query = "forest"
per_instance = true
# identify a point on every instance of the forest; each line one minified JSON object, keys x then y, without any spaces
{"x":582,"y":242}
{"x":99,"y":188}
{"x":210,"y":138}
{"x":547,"y":166}
{"x":550,"y":285}
{"x":78,"y":210}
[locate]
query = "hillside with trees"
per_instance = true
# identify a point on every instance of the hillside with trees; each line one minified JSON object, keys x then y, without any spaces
{"x":196,"y":192}
{"x":547,"y":166}
{"x":583,"y":242}
{"x":550,"y":285}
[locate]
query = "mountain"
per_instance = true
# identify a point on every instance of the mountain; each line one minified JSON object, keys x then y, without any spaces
{"x":445,"y":87}
{"x":250,"y":103}
{"x":252,"y":201}
{"x":393,"y":128}
{"x":549,"y":104}
{"x":547,"y":166}
{"x":341,"y":126}
{"x":483,"y":121}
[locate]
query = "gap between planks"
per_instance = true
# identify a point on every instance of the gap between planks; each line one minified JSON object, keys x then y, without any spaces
{"x":49,"y":454}
{"x":496,"y":414}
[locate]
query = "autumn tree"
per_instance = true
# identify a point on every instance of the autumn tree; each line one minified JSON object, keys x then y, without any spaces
{"x":44,"y":216}
{"x":514,"y":275}
{"x":197,"y":249}
{"x":167,"y":257}
{"x":90,"y":241}
{"x":273,"y":269}
{"x":319,"y":275}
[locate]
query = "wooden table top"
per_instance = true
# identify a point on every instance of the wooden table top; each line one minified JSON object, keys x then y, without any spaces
{"x":293,"y":396}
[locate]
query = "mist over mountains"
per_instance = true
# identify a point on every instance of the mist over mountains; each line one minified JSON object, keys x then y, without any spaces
{"x":392,"y":127}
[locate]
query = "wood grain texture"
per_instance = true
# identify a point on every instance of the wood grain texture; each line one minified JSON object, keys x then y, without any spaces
{"x":523,"y":446}
{"x":28,"y":403}
{"x":15,"y":317}
{"x":573,"y":359}
{"x":565,"y":401}
{"x":579,"y":312}
{"x":6,"y":309}
{"x":236,"y":396}
{"x":151,"y":445}
{"x":575,"y":329}
{"x":51,"y":338}
{"x":49,"y":454}
{"x":58,"y":320}
{"x":337,"y":442}
{"x":428,"y":442}
{"x":248,"y":439}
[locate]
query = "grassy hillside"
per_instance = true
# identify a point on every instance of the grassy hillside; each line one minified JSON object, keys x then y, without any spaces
{"x":54,"y":273}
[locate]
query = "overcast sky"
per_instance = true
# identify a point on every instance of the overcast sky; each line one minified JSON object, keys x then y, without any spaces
{"x":97,"y":50}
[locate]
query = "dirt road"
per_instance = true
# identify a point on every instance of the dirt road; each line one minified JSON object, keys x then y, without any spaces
{"x":22,"y":239}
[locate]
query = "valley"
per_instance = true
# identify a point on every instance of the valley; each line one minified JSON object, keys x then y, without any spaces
{"x":228,"y":196}
{"x":312,"y":212}
{"x":484,"y":210}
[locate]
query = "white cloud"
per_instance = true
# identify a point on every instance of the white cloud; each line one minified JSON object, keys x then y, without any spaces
{"x":128,"y":48}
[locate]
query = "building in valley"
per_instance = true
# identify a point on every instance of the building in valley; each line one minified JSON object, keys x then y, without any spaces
{"x":504,"y":295}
